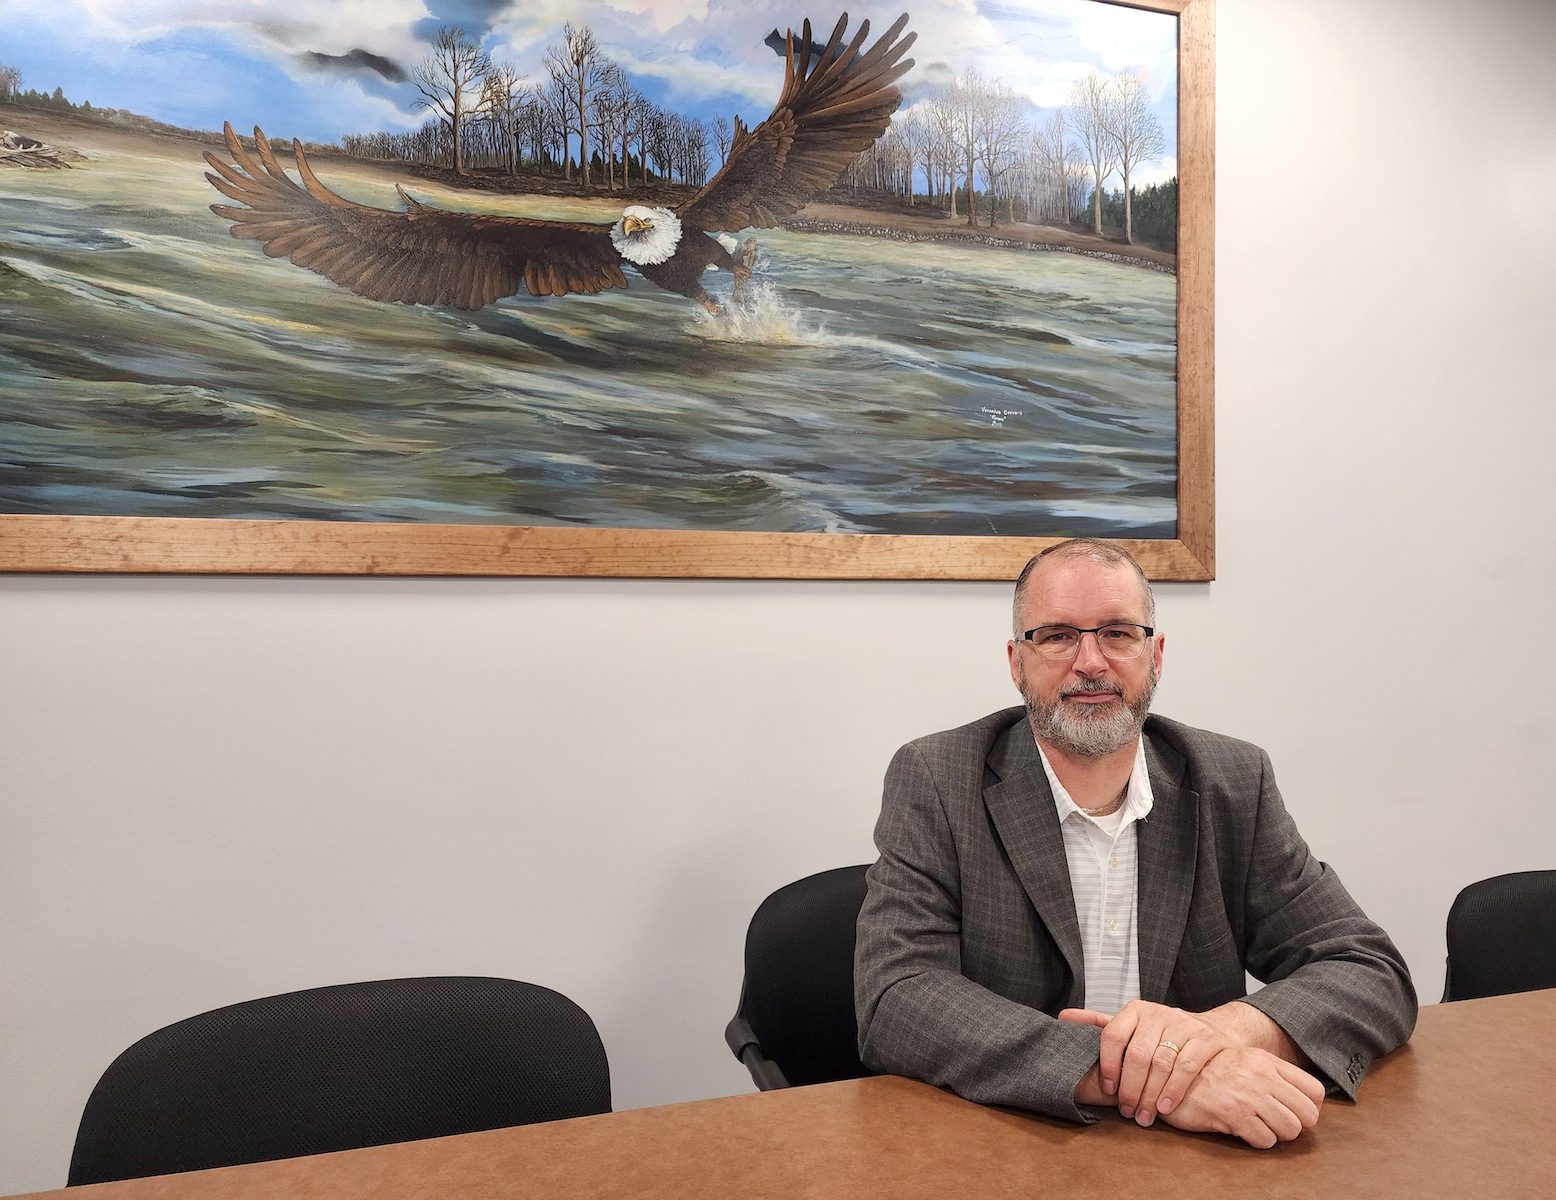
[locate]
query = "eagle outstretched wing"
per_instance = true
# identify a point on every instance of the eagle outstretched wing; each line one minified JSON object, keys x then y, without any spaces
{"x":424,"y":255}
{"x":831,"y":108}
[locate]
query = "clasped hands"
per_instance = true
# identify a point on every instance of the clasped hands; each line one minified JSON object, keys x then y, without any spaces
{"x":1190,"y":1069}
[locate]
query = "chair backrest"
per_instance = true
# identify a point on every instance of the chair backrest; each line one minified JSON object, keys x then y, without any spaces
{"x":797,"y":1001}
{"x":335,"y":1068}
{"x":1502,"y":936}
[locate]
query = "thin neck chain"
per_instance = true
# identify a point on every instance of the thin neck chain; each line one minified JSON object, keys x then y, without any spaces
{"x":1105,"y":809}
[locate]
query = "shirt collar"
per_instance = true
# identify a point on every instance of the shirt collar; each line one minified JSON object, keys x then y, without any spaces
{"x":1138,"y":799}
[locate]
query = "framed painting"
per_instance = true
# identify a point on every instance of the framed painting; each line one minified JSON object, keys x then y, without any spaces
{"x":686,"y":288}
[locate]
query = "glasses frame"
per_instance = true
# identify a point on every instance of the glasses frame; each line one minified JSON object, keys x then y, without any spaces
{"x":1150,"y":632}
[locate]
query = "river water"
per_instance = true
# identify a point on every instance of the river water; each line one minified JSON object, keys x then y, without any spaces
{"x":150,"y":364}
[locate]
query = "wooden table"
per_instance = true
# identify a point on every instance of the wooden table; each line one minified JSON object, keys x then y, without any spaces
{"x":1464,"y":1111}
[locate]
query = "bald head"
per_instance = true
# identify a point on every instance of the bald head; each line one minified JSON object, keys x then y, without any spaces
{"x":1105,"y":553}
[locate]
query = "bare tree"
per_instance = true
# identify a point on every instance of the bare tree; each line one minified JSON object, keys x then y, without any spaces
{"x":997,"y":127}
{"x":1077,"y":176}
{"x":942,"y":150}
{"x":1137,"y":135}
{"x":503,"y":97}
{"x":875,"y":168}
{"x":1027,"y":181}
{"x":450,"y":80}
{"x":1051,"y":155}
{"x":980,"y":122}
{"x":10,"y":83}
{"x":555,"y":105}
{"x":1091,"y":102}
{"x":659,"y":141}
{"x":648,"y":126}
{"x":633,"y":119}
{"x":913,"y":133}
{"x":578,"y":66}
{"x":961,"y":101}
{"x":611,"y":103}
{"x":690,"y":152}
{"x":892,"y":164}
{"x":721,"y":137}
{"x":530,"y":126}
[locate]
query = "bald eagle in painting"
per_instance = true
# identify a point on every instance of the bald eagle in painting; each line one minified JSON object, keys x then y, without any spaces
{"x":836,"y":101}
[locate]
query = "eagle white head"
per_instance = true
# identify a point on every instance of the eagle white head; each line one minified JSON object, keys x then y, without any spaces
{"x":646,"y":235}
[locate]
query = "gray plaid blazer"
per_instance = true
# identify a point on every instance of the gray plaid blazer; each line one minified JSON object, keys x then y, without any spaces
{"x":968,"y":940}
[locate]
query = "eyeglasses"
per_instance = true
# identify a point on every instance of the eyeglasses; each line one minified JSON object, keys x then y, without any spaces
{"x":1060,"y":643}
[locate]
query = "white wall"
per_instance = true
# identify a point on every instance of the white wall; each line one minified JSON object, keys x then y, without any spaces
{"x":218,"y":789}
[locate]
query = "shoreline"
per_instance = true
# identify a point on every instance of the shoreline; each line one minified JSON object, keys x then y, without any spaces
{"x":982,"y":236}
{"x":828,"y":214}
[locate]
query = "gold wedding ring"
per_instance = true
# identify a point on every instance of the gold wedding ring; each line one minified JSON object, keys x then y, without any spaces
{"x":1173,"y":1046}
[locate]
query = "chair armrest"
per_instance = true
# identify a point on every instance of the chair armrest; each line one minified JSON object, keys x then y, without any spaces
{"x":742,"y":1040}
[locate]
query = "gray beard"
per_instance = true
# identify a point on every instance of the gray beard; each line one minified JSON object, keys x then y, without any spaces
{"x":1090,"y":732}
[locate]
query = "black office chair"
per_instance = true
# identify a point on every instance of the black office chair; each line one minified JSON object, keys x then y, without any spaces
{"x":1502,"y":936}
{"x":795,"y":1024}
{"x":335,"y":1068}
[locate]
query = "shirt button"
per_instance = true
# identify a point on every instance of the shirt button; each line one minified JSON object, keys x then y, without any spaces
{"x":1113,"y":862}
{"x":1112,"y":926}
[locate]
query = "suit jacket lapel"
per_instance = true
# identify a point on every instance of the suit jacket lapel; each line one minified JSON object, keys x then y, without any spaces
{"x":1021,"y":804}
{"x":1167,"y":843}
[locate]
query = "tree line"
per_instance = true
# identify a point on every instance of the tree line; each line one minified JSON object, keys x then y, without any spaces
{"x":11,"y":93}
{"x":57,"y":101}
{"x":585,"y":114}
{"x":970,"y":146}
{"x":976,"y":131}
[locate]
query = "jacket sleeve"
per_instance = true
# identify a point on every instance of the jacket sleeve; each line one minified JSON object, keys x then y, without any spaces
{"x":1334,"y":980}
{"x":918,"y":1015}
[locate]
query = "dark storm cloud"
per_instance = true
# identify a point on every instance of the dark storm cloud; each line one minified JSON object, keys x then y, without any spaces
{"x":352,"y":62}
{"x":474,"y":17}
{"x":779,"y":44}
{"x":933,"y":75}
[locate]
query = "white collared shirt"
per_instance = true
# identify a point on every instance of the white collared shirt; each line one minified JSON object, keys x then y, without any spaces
{"x":1103,"y":877}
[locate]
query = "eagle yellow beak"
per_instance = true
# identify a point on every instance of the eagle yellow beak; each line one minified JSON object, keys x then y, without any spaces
{"x":634,"y":224}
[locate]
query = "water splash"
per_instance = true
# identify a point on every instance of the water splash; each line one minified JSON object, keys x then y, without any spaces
{"x":763,"y":317}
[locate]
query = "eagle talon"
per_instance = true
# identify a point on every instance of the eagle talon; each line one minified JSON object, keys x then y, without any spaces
{"x":745,"y":263}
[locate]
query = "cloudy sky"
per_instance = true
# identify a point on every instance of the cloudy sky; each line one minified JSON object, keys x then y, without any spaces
{"x":318,"y":70}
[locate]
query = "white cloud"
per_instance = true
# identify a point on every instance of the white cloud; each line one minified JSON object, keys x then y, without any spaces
{"x":693,"y":49}
{"x":278,"y":29}
{"x":695,"y":78}
{"x":665,"y":14}
{"x":345,"y":22}
{"x":1158,"y":171}
{"x":1041,"y":48}
{"x":523,"y":31}
{"x":1053,"y":87}
{"x":353,"y":108}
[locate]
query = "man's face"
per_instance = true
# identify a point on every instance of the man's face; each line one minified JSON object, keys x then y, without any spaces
{"x":1089,"y":706}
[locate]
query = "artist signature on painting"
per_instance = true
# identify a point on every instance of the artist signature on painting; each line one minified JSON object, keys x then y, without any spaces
{"x":997,"y":416}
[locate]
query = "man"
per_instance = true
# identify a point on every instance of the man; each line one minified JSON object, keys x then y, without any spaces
{"x":1067,"y":898}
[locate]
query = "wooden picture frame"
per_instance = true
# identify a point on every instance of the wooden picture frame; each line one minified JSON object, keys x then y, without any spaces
{"x":109,"y":544}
